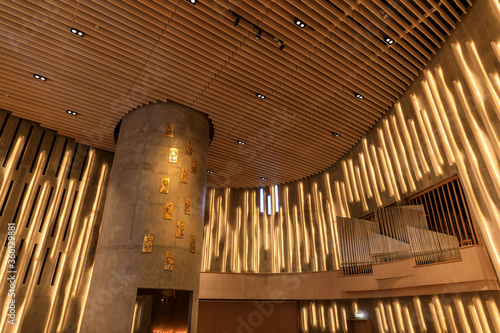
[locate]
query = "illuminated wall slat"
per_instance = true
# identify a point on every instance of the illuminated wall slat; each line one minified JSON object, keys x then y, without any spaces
{"x":49,"y":206}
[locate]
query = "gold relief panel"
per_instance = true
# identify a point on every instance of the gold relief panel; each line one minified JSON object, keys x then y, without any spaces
{"x":179,"y":229}
{"x":164,"y":185}
{"x":168,"y":211}
{"x":169,"y":133}
{"x":187,"y":206}
{"x":172,"y":158}
{"x":147,"y":243}
{"x":189,"y":148}
{"x":192,"y":244}
{"x":168,"y":265}
{"x":184,"y":175}
{"x":194,"y":166}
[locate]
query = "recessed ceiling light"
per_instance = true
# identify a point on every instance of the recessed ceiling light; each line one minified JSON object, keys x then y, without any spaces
{"x":71,"y":112}
{"x":210,"y":171}
{"x":240,"y":142}
{"x":299,"y":23}
{"x":260,"y":95}
{"x":263,"y":178}
{"x":77,"y":32}
{"x":358,"y":95}
{"x":335,"y":134}
{"x":38,"y":76}
{"x":193,"y":2}
{"x":259,"y":34}
{"x":388,"y":40}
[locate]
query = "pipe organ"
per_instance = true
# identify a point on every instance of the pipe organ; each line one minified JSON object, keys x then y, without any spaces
{"x":397,"y":233}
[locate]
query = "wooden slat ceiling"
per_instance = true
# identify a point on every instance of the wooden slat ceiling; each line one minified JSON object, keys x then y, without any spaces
{"x":136,"y":52}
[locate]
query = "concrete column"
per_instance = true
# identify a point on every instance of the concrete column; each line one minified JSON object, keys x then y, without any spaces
{"x":135,"y":207}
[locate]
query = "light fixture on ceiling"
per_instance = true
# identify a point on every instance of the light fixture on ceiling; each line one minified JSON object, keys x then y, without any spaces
{"x":388,"y":40}
{"x":299,"y":23}
{"x":358,"y":95}
{"x":383,"y":14}
{"x":335,"y":134}
{"x":260,"y":95}
{"x":259,"y":34}
{"x":240,"y":142}
{"x":210,"y":171}
{"x":193,"y":2}
{"x":263,"y":178}
{"x":77,"y":32}
{"x":38,"y":76}
{"x":281,"y":45}
{"x":237,"y":21}
{"x":71,"y":112}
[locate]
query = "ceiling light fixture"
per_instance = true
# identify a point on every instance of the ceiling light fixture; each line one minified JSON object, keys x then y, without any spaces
{"x":383,"y":14}
{"x":263,"y":178}
{"x":193,"y":2}
{"x":240,"y":142}
{"x":77,"y":32}
{"x":260,"y":32}
{"x":335,"y":134}
{"x":299,"y":23}
{"x":358,"y":95}
{"x":37,"y":76}
{"x":210,"y":171}
{"x":260,"y":95}
{"x":388,"y":40}
{"x":71,"y":112}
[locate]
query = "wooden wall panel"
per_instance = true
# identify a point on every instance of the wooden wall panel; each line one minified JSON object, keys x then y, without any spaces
{"x":246,"y":316}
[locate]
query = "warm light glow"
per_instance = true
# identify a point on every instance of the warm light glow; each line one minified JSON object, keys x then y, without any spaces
{"x":461,"y":315}
{"x":314,"y":322}
{"x":435,"y":318}
{"x":408,"y":140}
{"x":353,"y":180}
{"x":399,"y":316}
{"x":409,"y":323}
{"x":439,"y":312}
{"x":379,"y":320}
{"x":482,"y":315}
{"x":348,"y":182}
{"x":450,"y":318}
{"x":420,"y":315}
{"x":475,"y":319}
{"x":397,"y":161}
{"x":494,"y":315}
{"x":322,"y":323}
{"x":435,"y":157}
{"x":363,"y":196}
{"x":387,"y":167}
{"x":392,"y":324}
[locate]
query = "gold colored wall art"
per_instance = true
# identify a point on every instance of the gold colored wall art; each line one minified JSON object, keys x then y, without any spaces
{"x":168,"y":211}
{"x":194,"y":166}
{"x":192,"y":244}
{"x":174,"y":152}
{"x":187,"y":206}
{"x":189,"y":148}
{"x":169,"y":261}
{"x":164,"y":185}
{"x":147,"y":243}
{"x":179,"y":229}
{"x":184,"y":175}
{"x":169,"y":133}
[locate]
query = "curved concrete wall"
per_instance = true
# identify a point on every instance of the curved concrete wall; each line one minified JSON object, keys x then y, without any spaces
{"x":446,"y":123}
